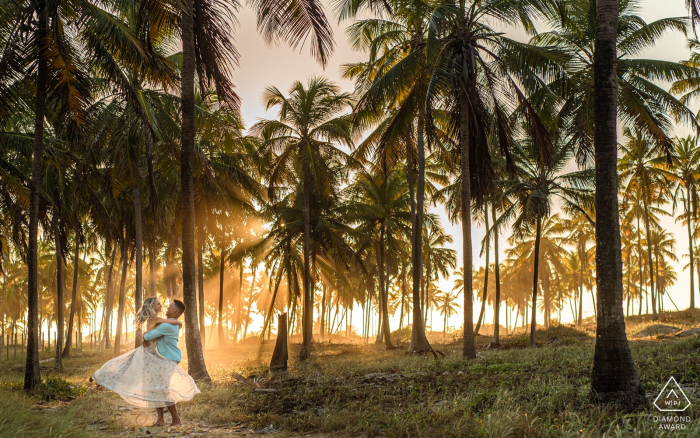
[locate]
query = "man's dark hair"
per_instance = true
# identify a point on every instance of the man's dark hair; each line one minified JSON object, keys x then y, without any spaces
{"x":180,"y":305}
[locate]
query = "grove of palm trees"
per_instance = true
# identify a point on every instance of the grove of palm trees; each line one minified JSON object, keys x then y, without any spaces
{"x":486,"y":227}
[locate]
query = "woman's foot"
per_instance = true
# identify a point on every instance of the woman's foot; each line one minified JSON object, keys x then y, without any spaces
{"x":176,"y":423}
{"x":159,"y":423}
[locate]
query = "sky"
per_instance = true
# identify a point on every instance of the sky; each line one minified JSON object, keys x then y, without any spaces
{"x":262,"y":66}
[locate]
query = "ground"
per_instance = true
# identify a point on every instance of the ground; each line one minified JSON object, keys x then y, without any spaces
{"x":359,"y":390}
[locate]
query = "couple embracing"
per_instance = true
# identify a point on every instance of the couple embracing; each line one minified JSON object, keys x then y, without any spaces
{"x":149,"y":376}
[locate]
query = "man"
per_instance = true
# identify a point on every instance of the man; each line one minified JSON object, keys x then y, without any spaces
{"x":167,"y":335}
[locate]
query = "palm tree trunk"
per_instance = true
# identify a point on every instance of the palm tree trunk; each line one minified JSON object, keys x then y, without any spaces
{"x":690,"y":251}
{"x":152,"y":268}
{"x":497,"y":304}
{"x":109,"y":299}
{"x":222,"y":266}
{"x":74,"y":292}
{"x":533,"y":323}
{"x":138,"y":240}
{"x":614,"y":375}
{"x":649,"y":257}
{"x":486,"y":273}
{"x":60,"y":300}
{"x":419,"y":342}
{"x":239,"y":305}
{"x":323,"y":313}
{"x":582,"y":255}
{"x":658,"y":293}
{"x":280,"y":354}
{"x":307,"y":318}
{"x":250,"y":301}
{"x":468,"y":347}
{"x":200,"y":285}
{"x":195,"y":356}
{"x":122,"y":294}
{"x":32,"y":375}
{"x":384,"y":293}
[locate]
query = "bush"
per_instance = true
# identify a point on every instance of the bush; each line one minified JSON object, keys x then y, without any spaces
{"x":51,"y":388}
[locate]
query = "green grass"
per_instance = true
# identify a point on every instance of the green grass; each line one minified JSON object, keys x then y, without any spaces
{"x":361,"y":390}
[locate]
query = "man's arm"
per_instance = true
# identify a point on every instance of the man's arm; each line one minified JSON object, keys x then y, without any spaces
{"x":159,"y":331}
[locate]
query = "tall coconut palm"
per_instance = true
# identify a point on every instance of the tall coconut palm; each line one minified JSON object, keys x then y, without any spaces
{"x":687,"y":171}
{"x":644,"y":170}
{"x":474,"y":67}
{"x":614,"y":377}
{"x":310,"y":122}
{"x":381,"y":200}
{"x":536,"y":187}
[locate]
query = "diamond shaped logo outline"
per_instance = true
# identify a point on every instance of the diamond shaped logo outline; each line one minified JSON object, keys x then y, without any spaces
{"x":677,"y":386}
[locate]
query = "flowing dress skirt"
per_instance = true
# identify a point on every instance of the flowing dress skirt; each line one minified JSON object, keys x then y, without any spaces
{"x":146,"y":379}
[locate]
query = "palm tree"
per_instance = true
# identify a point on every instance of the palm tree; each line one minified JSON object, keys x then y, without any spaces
{"x":474,"y":66}
{"x":642,"y":105}
{"x":580,"y":232}
{"x":614,"y":377}
{"x":446,"y":306}
{"x":644,"y":171}
{"x":537,"y":186}
{"x":687,"y":171}
{"x":310,"y":121}
{"x":381,"y":200}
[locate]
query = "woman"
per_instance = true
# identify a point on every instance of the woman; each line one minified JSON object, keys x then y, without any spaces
{"x":143,"y":377}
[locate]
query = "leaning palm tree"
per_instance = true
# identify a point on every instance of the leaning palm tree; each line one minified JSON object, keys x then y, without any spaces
{"x":310,"y":121}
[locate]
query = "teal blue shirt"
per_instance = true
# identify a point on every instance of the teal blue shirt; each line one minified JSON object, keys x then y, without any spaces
{"x":167,"y":335}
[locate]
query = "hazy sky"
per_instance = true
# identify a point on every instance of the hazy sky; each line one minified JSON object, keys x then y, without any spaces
{"x":262,"y":66}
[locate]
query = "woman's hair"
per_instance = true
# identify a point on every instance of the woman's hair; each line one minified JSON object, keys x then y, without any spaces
{"x":146,"y":311}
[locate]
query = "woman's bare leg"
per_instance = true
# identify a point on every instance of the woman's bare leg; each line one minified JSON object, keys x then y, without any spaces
{"x":173,"y":413}
{"x":160,"y":421}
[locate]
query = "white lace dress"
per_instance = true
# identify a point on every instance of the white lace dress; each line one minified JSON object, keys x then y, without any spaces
{"x":146,"y":379}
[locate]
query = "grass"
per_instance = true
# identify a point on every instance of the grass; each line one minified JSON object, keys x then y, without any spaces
{"x":360,"y":390}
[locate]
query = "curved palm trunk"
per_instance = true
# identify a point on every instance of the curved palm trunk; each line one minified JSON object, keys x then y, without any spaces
{"x":649,"y":256}
{"x":32,"y":375}
{"x":419,"y":342}
{"x":497,"y":304}
{"x":486,"y":273}
{"x":195,"y":356}
{"x":533,"y":322}
{"x":690,"y":252}
{"x":384,"y":294}
{"x":74,"y":292}
{"x":307,"y":314}
{"x":468,"y":347}
{"x":614,"y":376}
{"x":138,"y":241}
{"x":60,"y":300}
{"x":222,"y":338}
